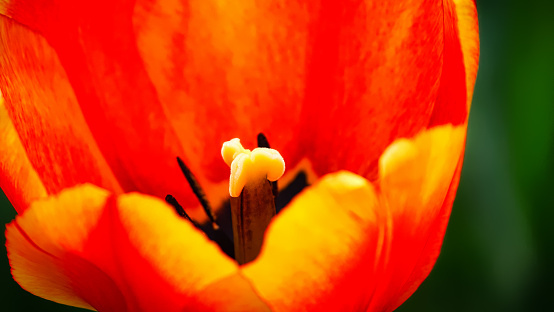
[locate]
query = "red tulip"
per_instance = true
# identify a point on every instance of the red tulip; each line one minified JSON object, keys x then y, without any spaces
{"x":369,"y":98}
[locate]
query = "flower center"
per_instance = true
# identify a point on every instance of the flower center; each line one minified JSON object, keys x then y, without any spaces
{"x":252,"y":194}
{"x":254,"y":198}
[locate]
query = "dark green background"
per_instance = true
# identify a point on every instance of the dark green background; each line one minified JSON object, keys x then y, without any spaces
{"x":498,"y":252}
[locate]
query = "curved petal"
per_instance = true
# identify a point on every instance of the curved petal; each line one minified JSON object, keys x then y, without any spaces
{"x":102,"y":70}
{"x":415,"y":178}
{"x":320,"y":253}
{"x":48,"y":131}
{"x":130,"y":253}
{"x":225,"y":70}
{"x":18,"y":179}
{"x":39,"y":240}
{"x":304,"y":74}
{"x":183,"y":259}
{"x":458,"y":72}
{"x":463,"y":46}
{"x":432,"y":248}
{"x":232,"y":293}
{"x":373,"y":79}
{"x":316,"y":257}
{"x":362,"y":69}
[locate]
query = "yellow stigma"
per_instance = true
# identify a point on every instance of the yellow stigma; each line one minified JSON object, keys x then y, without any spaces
{"x":250,"y":166}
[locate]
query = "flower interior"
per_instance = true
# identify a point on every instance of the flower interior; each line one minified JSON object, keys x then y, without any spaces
{"x":254,"y":196}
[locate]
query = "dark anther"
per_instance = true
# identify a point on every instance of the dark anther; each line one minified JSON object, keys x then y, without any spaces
{"x":263,"y":142}
{"x":196,"y":189}
{"x":178,"y":208}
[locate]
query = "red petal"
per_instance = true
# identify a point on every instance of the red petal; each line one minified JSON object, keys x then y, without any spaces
{"x":104,"y":74}
{"x":461,"y":52}
{"x":375,"y":70}
{"x":359,"y":92}
{"x":225,"y":70}
{"x":355,"y":76}
{"x":162,"y":79}
{"x":48,"y":133}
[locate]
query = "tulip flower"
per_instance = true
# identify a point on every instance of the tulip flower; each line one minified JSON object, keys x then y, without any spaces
{"x":369,"y":99}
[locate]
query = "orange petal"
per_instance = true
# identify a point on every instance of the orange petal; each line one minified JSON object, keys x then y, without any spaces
{"x":415,"y":179}
{"x":18,"y":179}
{"x":39,"y":240}
{"x":320,"y":252}
{"x":233,"y":293}
{"x":133,"y":253}
{"x":47,"y":130}
{"x":433,"y":244}
{"x":179,"y":255}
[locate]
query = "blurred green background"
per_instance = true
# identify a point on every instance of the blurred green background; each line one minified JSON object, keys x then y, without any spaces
{"x":498,"y":252}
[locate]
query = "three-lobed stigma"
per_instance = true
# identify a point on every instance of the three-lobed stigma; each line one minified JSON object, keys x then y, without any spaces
{"x":252,"y":187}
{"x":250,"y":166}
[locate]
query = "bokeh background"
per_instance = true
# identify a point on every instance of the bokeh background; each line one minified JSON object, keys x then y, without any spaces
{"x":498,"y":253}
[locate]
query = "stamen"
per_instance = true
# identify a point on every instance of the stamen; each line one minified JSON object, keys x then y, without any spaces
{"x":252,"y":200}
{"x":197,"y":190}
{"x":179,"y":209}
{"x":212,"y":230}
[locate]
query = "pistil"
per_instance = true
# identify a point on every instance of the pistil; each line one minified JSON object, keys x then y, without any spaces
{"x":252,"y":196}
